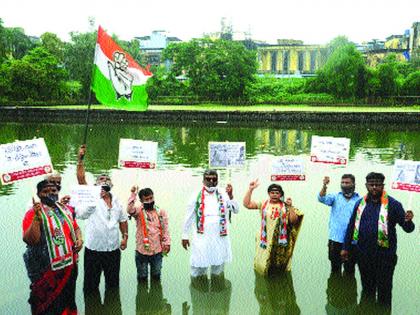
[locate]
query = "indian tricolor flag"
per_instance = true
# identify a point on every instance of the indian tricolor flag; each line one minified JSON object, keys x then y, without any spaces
{"x":117,"y":79}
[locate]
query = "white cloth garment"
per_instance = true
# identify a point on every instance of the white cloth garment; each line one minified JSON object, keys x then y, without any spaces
{"x":102,"y":226}
{"x":214,"y":270}
{"x":209,"y":248}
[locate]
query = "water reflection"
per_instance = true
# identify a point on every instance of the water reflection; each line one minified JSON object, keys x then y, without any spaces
{"x":111,"y":304}
{"x":276,"y":294}
{"x":209,"y":296}
{"x":149,"y":300}
{"x":341,"y":294}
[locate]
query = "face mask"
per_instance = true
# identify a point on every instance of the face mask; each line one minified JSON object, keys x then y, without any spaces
{"x":49,"y":200}
{"x":149,"y":205}
{"x":348,"y":191}
{"x":211,"y":189}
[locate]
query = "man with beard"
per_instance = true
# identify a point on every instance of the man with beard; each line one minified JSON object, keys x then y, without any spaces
{"x":103,"y":245}
{"x":372,"y":231}
{"x":342,"y":204}
{"x":209,"y":210}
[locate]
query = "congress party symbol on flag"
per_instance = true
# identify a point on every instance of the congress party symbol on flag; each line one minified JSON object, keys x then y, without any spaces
{"x":118,"y":80}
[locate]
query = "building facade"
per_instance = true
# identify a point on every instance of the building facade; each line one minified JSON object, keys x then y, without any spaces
{"x":290,"y":57}
{"x":153,"y":45}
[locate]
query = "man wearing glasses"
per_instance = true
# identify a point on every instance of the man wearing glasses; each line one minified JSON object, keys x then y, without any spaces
{"x":103,"y":245}
{"x":208,"y":211}
{"x":372,"y":229}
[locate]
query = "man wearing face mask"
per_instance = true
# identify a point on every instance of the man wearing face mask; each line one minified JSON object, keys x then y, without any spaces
{"x":208,"y":211}
{"x":372,"y":232}
{"x":152,"y":236}
{"x":342,"y":204}
{"x":53,"y":240}
{"x":103,"y":244}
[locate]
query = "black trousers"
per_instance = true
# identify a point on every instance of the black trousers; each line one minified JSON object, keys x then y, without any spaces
{"x":95,"y":262}
{"x":377,"y":272}
{"x":334,"y":249}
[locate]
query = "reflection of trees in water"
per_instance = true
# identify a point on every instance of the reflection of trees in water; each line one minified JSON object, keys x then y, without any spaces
{"x":150,"y":300}
{"x":276,"y":294}
{"x":189,"y":145}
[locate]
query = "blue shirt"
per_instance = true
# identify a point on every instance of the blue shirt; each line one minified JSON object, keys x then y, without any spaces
{"x":368,"y":228}
{"x":341,"y":211}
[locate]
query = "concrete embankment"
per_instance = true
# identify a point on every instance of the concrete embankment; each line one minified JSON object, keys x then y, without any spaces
{"x":185,"y":117}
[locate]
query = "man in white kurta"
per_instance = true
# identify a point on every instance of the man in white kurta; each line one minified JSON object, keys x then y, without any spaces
{"x":208,"y":213}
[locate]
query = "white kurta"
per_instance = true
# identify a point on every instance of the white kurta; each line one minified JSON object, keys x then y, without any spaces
{"x":209,"y":248}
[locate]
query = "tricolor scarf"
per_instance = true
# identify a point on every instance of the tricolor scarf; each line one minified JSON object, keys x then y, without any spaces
{"x":199,"y":212}
{"x":383,"y":240}
{"x":60,"y":246}
{"x":278,"y":213}
{"x":145,"y":226}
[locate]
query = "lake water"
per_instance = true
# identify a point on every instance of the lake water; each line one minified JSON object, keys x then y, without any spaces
{"x":182,"y":158}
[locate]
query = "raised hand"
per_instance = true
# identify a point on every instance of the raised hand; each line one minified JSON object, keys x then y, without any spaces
{"x":254,"y":184}
{"x":326,"y":180}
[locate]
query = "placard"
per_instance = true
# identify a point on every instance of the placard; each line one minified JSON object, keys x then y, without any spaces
{"x":330,"y":150}
{"x":288,"y":168}
{"x":83,"y":196}
{"x":24,"y":159}
{"x":137,"y":154}
{"x":406,"y":175}
{"x":226,"y":154}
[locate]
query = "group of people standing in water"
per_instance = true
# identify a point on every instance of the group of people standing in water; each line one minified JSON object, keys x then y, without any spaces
{"x":362,"y":232}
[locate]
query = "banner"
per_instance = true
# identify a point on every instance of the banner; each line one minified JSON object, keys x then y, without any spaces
{"x":226,"y":154}
{"x":137,"y":154}
{"x":24,"y":159}
{"x":330,"y":150}
{"x":288,"y":168}
{"x":406,"y":175}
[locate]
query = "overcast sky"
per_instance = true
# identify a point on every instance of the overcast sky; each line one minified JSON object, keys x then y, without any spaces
{"x":313,"y":21}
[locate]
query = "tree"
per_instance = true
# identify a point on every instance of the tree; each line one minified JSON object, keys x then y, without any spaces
{"x":216,"y":70}
{"x":53,"y":44}
{"x":37,"y":76}
{"x":344,"y":74}
{"x":411,"y":85}
{"x":17,"y":43}
{"x":78,"y":59}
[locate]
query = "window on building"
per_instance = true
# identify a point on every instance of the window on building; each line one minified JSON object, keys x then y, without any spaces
{"x":286,"y":55}
{"x":301,"y":60}
{"x":274,"y":61}
{"x":313,"y":60}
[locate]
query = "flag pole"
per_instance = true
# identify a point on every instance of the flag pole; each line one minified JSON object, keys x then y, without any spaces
{"x":85,"y":134}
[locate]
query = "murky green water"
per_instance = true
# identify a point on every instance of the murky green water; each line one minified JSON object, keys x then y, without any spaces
{"x":182,"y":158}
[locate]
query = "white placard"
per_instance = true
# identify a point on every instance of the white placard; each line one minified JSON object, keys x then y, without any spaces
{"x":137,"y":153}
{"x":406,"y":175}
{"x":330,"y":150}
{"x":83,"y":196}
{"x":24,"y":159}
{"x":226,"y":154}
{"x":290,"y":168}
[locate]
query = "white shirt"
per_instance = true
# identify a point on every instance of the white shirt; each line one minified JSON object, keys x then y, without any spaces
{"x":209,"y":248}
{"x":102,"y":226}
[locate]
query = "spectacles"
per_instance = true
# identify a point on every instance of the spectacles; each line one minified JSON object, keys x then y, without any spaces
{"x":210,"y":179}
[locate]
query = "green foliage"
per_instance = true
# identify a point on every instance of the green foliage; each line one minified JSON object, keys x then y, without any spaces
{"x":344,"y":74}
{"x":216,"y":70}
{"x":411,"y":85}
{"x":164,"y":83}
{"x":54,"y":45}
{"x":78,"y":59}
{"x":37,"y":76}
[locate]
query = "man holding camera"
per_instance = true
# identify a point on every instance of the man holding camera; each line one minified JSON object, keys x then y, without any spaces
{"x":103,"y":245}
